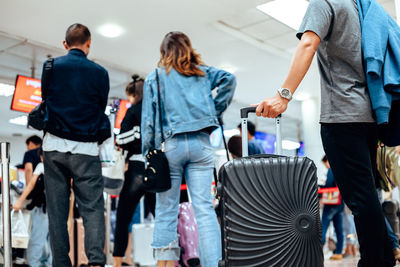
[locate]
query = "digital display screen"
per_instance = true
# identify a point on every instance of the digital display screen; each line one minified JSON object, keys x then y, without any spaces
{"x":301,"y":151}
{"x":124,"y":105}
{"x":27,"y":94}
{"x":267,"y":141}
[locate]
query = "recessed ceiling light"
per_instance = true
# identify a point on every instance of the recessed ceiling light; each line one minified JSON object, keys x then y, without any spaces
{"x":289,"y":12}
{"x":111,"y":30}
{"x":6,"y":89}
{"x":21,"y":120}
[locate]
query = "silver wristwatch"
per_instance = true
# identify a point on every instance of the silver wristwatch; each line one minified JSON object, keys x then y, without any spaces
{"x":285,"y":93}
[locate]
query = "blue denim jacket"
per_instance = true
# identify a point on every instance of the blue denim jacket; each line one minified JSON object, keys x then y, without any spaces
{"x":187,"y":103}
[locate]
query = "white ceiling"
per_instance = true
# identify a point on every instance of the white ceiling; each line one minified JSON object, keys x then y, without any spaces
{"x":270,"y":32}
{"x":227,"y":33}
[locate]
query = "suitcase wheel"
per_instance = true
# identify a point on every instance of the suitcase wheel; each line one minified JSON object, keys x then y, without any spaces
{"x":304,"y":223}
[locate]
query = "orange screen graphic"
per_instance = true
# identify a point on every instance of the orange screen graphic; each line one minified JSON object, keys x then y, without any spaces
{"x":27,"y":94}
{"x":123,"y":107}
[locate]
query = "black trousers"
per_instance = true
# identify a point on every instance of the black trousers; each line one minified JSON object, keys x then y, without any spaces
{"x":88,"y":185}
{"x":130,"y":195}
{"x":351,"y":150}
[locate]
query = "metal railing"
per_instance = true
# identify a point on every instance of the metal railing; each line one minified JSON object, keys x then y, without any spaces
{"x":5,"y":209}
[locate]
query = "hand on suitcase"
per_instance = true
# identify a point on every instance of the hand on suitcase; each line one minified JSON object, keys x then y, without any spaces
{"x":272,"y":107}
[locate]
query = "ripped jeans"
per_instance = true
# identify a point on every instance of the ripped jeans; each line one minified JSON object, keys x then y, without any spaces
{"x":189,"y":154}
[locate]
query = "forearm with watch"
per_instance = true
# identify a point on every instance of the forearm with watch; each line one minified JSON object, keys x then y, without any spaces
{"x":272,"y":107}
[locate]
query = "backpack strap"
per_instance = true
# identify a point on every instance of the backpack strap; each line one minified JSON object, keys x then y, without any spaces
{"x":48,"y":68}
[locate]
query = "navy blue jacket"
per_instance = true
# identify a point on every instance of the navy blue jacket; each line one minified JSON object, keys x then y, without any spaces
{"x":76,"y":99}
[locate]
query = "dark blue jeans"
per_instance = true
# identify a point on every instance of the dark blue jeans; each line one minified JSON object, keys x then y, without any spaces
{"x":88,"y":185}
{"x":392,"y":235}
{"x":333,"y":213}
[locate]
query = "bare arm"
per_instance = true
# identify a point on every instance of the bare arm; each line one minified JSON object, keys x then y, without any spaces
{"x":26,"y":192}
{"x":28,"y":172}
{"x":301,"y":62}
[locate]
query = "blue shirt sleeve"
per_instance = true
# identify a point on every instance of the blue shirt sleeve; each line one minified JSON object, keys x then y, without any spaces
{"x":27,"y":158}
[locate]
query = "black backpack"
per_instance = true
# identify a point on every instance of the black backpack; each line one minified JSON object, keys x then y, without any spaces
{"x":37,"y":195}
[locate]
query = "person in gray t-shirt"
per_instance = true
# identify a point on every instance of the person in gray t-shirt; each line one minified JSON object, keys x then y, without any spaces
{"x":348,"y":129}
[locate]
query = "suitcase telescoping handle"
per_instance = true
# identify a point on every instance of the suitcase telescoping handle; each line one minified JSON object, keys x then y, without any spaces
{"x":244,"y":114}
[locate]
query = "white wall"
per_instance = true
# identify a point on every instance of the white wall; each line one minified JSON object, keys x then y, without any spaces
{"x":18,"y":148}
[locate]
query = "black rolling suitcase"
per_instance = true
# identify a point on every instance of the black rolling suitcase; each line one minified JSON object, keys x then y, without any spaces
{"x":270,"y":209}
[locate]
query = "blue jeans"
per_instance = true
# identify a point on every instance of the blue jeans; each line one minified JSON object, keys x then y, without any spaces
{"x":349,"y":228}
{"x":333,"y":213}
{"x":39,"y":240}
{"x":392,"y":236}
{"x":188,"y":154}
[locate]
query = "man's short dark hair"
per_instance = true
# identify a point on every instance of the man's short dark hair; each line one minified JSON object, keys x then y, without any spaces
{"x":77,"y":34}
{"x":34,"y":139}
{"x":251,"y":128}
{"x":324,"y":159}
{"x":235,"y":146}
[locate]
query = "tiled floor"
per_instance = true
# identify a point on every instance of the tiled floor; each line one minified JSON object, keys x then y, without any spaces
{"x":343,"y":263}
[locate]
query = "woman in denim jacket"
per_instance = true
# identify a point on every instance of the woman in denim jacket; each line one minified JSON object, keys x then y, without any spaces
{"x":189,"y":114}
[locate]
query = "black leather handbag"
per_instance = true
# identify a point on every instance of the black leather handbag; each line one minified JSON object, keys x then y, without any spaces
{"x":157,"y":176}
{"x":37,"y":116}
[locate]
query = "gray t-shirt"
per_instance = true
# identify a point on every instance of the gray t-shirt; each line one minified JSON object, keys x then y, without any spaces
{"x":344,"y":93}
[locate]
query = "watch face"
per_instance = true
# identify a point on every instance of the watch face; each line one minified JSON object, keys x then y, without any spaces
{"x":285,"y":93}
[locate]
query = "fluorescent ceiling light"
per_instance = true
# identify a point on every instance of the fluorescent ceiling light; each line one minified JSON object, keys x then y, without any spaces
{"x":21,"y":120}
{"x":290,"y":145}
{"x":6,"y":89}
{"x":289,"y":12}
{"x":111,"y":30}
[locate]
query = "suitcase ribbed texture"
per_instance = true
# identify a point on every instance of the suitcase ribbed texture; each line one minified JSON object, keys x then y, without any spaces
{"x":271,"y":212}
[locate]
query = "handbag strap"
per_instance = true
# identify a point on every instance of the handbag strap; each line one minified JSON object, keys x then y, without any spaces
{"x":224,"y":141}
{"x":159,"y":106}
{"x":48,"y":67}
{"x":221,"y":124}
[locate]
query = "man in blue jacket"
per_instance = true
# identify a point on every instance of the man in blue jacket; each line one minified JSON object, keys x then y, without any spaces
{"x":76,"y":97}
{"x":348,"y":128}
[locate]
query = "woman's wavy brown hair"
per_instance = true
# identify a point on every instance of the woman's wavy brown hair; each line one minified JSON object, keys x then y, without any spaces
{"x":177,"y":52}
